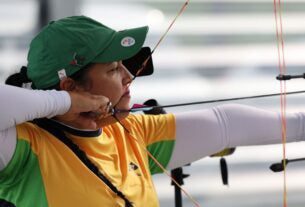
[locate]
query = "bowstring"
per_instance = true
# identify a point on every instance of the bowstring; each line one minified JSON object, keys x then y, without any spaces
{"x":283,"y":103}
{"x":142,"y":144}
{"x":282,"y":69}
{"x":186,"y":3}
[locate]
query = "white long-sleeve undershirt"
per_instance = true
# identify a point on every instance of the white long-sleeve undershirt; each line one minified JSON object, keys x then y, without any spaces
{"x":19,"y":105}
{"x":204,"y":132}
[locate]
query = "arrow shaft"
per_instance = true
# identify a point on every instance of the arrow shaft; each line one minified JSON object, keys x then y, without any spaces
{"x":145,"y":108}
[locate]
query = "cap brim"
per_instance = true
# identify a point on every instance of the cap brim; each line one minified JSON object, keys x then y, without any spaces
{"x":124,"y":45}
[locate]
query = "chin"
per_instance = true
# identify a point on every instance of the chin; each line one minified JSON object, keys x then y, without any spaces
{"x":124,"y":104}
{"x":122,"y":107}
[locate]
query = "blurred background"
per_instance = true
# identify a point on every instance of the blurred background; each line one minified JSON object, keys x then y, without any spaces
{"x":216,"y":49}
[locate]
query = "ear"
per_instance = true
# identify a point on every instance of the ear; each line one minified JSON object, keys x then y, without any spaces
{"x":67,"y":84}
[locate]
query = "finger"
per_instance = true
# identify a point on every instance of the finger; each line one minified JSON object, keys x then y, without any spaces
{"x":109,"y":109}
{"x":103,"y":104}
{"x":84,"y":102}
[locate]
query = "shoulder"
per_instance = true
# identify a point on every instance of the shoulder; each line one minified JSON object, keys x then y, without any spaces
{"x":142,"y":119}
{"x":27,"y":130}
{"x":32,"y":134}
{"x":141,"y":123}
{"x":152,"y":126}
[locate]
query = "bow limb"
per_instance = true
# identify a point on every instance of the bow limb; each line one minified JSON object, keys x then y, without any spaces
{"x":184,"y":6}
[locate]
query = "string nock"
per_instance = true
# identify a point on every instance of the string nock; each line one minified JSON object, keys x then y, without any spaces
{"x":282,"y":77}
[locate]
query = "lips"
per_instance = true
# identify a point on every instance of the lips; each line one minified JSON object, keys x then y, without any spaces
{"x":127,"y":93}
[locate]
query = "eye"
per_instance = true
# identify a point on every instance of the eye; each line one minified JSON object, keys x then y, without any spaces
{"x":114,"y":69}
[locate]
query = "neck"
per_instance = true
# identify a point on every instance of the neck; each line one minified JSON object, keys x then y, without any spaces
{"x":47,"y":123}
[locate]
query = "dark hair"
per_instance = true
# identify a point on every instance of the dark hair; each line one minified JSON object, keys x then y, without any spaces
{"x":18,"y":79}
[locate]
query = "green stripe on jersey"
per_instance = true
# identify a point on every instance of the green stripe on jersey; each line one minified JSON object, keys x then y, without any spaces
{"x":162,"y":151}
{"x":21,"y":182}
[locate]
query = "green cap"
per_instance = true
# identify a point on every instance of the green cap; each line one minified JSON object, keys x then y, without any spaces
{"x":65,"y":46}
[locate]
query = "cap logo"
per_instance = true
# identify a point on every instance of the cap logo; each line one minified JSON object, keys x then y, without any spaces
{"x":128,"y":42}
{"x":62,"y":74}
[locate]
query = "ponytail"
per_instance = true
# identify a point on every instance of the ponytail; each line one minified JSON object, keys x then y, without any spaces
{"x":18,"y":79}
{"x":21,"y":79}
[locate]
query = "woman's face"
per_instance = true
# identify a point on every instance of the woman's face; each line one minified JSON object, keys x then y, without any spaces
{"x":111,"y":80}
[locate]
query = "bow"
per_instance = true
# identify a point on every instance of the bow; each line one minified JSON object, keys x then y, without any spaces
{"x":143,"y":66}
{"x":282,"y":76}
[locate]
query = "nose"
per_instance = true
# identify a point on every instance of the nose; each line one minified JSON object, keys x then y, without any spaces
{"x":127,"y":76}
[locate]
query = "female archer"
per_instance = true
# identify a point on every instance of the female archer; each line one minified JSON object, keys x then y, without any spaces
{"x":60,"y":146}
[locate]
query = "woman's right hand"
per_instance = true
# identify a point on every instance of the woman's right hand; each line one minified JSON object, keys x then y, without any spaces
{"x":85,"y":109}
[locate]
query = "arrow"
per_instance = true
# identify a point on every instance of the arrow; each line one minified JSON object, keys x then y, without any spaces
{"x":140,"y":107}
